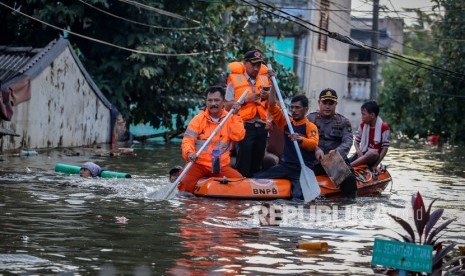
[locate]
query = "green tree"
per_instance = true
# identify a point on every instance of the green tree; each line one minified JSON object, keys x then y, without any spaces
{"x":401,"y":85}
{"x":422,"y":102}
{"x":448,"y":91}
{"x":194,"y":48}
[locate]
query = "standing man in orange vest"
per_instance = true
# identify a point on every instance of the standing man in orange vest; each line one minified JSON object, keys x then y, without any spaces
{"x":214,"y":160}
{"x":251,"y":74}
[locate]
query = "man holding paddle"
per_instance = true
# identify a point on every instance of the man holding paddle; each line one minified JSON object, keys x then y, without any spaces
{"x":304,"y":133}
{"x":335,"y":133}
{"x":203,"y":129}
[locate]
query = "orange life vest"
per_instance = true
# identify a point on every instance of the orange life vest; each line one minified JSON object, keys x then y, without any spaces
{"x":248,"y":110}
{"x":201,"y":127}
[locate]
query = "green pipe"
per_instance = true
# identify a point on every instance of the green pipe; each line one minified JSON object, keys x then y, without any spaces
{"x":65,"y":168}
{"x":71,"y":169}
{"x":111,"y":174}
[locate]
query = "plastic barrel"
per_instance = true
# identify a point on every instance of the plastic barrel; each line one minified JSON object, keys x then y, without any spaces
{"x":71,"y":169}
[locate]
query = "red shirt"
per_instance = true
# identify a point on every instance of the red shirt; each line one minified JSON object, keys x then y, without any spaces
{"x":384,"y":143}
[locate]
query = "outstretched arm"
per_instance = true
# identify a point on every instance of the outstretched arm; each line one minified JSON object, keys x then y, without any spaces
{"x":275,"y":111}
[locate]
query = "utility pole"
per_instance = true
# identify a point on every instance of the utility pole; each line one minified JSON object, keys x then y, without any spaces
{"x":374,"y":56}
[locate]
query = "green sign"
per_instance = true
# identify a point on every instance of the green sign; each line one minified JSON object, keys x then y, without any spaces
{"x":403,"y":255}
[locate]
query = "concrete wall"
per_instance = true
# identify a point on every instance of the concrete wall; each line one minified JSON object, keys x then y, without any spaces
{"x":327,"y":68}
{"x":395,"y":27}
{"x":63,"y":111}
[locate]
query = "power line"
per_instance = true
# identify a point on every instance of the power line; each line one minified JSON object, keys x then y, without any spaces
{"x":371,"y":31}
{"x":390,"y":2}
{"x":329,"y":17}
{"x":402,"y":56}
{"x":411,"y":61}
{"x":351,"y":41}
{"x":367,"y":12}
{"x":284,"y":17}
{"x":353,"y":10}
{"x":396,"y":11}
{"x":135,"y":22}
{"x":160,"y":11}
{"x":104,"y":42}
{"x":304,"y":60}
{"x":406,"y":10}
{"x":405,"y":14}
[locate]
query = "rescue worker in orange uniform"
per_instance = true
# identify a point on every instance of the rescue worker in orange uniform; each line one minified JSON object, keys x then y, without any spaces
{"x":199,"y":130}
{"x":306,"y":135}
{"x":251,"y":74}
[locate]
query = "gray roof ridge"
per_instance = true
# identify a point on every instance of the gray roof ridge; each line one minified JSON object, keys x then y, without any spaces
{"x":45,"y":57}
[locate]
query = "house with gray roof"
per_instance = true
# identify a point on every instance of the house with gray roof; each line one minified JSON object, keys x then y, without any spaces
{"x":48,"y":99}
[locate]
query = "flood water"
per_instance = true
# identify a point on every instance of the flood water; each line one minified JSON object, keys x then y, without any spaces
{"x":51,"y":223}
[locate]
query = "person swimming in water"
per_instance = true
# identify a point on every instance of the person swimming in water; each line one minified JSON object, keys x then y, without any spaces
{"x":174,"y":173}
{"x":90,"y":169}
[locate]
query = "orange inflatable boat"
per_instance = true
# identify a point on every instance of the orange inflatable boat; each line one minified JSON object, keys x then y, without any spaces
{"x":252,"y":188}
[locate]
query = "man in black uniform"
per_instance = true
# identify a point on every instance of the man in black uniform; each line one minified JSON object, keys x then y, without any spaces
{"x":335,"y":133}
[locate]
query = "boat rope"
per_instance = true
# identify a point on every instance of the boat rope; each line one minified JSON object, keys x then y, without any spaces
{"x":226,"y":180}
{"x":361,"y":174}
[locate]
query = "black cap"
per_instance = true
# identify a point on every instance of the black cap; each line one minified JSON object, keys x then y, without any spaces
{"x":328,"y":94}
{"x":175,"y":169}
{"x":254,"y":56}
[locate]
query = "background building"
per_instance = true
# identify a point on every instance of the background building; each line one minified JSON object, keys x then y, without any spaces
{"x":53,"y":102}
{"x":358,"y":84}
{"x":322,"y":62}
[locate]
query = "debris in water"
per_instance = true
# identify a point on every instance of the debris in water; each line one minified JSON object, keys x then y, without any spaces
{"x":121,"y":220}
{"x":25,"y":238}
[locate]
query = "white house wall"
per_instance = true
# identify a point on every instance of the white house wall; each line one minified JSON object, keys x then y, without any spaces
{"x":328,"y":69}
{"x":63,"y":110}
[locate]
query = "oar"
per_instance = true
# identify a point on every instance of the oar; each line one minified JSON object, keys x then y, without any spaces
{"x":169,"y":191}
{"x":308,"y":182}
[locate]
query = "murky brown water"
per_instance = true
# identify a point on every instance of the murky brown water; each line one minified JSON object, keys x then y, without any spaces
{"x":52,"y":223}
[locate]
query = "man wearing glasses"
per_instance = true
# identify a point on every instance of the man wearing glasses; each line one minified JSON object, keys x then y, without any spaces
{"x":335,"y":133}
